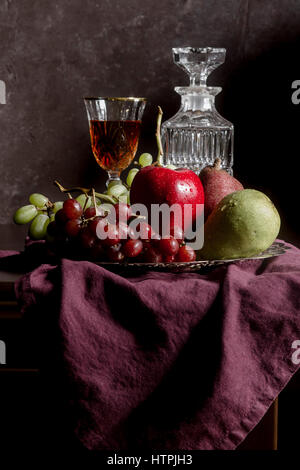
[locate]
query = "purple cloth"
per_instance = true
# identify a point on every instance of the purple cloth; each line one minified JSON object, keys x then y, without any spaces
{"x":170,"y":361}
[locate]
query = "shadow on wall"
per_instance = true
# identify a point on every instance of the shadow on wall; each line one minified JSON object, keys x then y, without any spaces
{"x":257,"y":99}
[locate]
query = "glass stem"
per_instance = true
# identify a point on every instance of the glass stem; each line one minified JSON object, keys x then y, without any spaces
{"x":113,"y":175}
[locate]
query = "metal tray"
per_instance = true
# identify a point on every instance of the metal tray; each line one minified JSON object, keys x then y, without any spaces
{"x":276,"y":249}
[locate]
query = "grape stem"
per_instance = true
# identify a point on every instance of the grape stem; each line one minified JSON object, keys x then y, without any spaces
{"x":49,"y":205}
{"x":158,"y":138}
{"x":138,"y":216}
{"x":86,"y":191}
{"x":85,"y":202}
{"x":98,"y":211}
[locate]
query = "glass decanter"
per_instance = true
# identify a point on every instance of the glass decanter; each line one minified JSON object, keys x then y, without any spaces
{"x":198,"y":134}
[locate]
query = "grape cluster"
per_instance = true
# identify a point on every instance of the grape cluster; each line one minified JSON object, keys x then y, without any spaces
{"x":39,"y":212}
{"x":71,"y":227}
{"x":80,"y":229}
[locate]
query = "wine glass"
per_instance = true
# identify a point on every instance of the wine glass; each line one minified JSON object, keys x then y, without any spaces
{"x":115,"y":125}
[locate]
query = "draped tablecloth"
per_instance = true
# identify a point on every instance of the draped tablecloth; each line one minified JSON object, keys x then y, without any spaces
{"x":167,"y":361}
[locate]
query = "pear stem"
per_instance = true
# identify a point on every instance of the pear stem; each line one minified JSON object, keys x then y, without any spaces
{"x":217,"y":164}
{"x":158,"y":138}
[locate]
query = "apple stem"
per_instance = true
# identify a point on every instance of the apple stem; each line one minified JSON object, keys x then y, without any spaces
{"x":158,"y":138}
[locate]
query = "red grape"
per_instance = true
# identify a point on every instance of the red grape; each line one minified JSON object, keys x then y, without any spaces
{"x":89,"y":213}
{"x":93,"y":224}
{"x":155,"y":241}
{"x":123,"y":212}
{"x":72,"y":227}
{"x":112,"y":235}
{"x":169,"y":258}
{"x":144,"y":230}
{"x":177,"y":233}
{"x":131,"y":233}
{"x":114,"y":254}
{"x":61,"y":217}
{"x":185,"y":254}
{"x":87,"y":239}
{"x":132,"y":248}
{"x":168,"y":246}
{"x":97,"y":251}
{"x":151,"y":255}
{"x":125,"y":231}
{"x":72,"y":209}
{"x":53,"y":229}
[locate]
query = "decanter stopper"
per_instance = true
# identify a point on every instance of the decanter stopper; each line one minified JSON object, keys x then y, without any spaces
{"x":198,"y":63}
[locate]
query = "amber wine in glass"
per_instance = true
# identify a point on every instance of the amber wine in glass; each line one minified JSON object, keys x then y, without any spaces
{"x":115,"y":125}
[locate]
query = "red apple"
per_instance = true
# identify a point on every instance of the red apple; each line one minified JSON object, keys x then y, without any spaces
{"x":158,"y":185}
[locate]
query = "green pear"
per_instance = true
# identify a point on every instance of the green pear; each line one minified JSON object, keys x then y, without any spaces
{"x":243,"y":224}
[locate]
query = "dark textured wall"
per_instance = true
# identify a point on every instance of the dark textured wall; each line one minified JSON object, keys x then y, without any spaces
{"x":54,"y":52}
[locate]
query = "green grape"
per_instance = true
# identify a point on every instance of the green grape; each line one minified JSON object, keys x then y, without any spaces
{"x":128,"y":198}
{"x":105,"y":207}
{"x":113,"y":183}
{"x":117,"y":190}
{"x":38,"y":227}
{"x":52,"y":218}
{"x":57,"y":206}
{"x":171,"y":167}
{"x":25,"y":214}
{"x":84,"y":201}
{"x":38,"y":200}
{"x":145,"y":159}
{"x":123,"y":197}
{"x":131,"y":175}
{"x":98,"y":202}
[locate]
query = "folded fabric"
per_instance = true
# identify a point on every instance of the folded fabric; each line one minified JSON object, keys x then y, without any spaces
{"x":169,"y":361}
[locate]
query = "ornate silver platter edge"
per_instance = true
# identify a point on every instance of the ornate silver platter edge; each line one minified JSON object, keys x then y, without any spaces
{"x":276,"y":249}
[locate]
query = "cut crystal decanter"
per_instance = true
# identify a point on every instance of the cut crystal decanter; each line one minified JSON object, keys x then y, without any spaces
{"x":198,"y":134}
